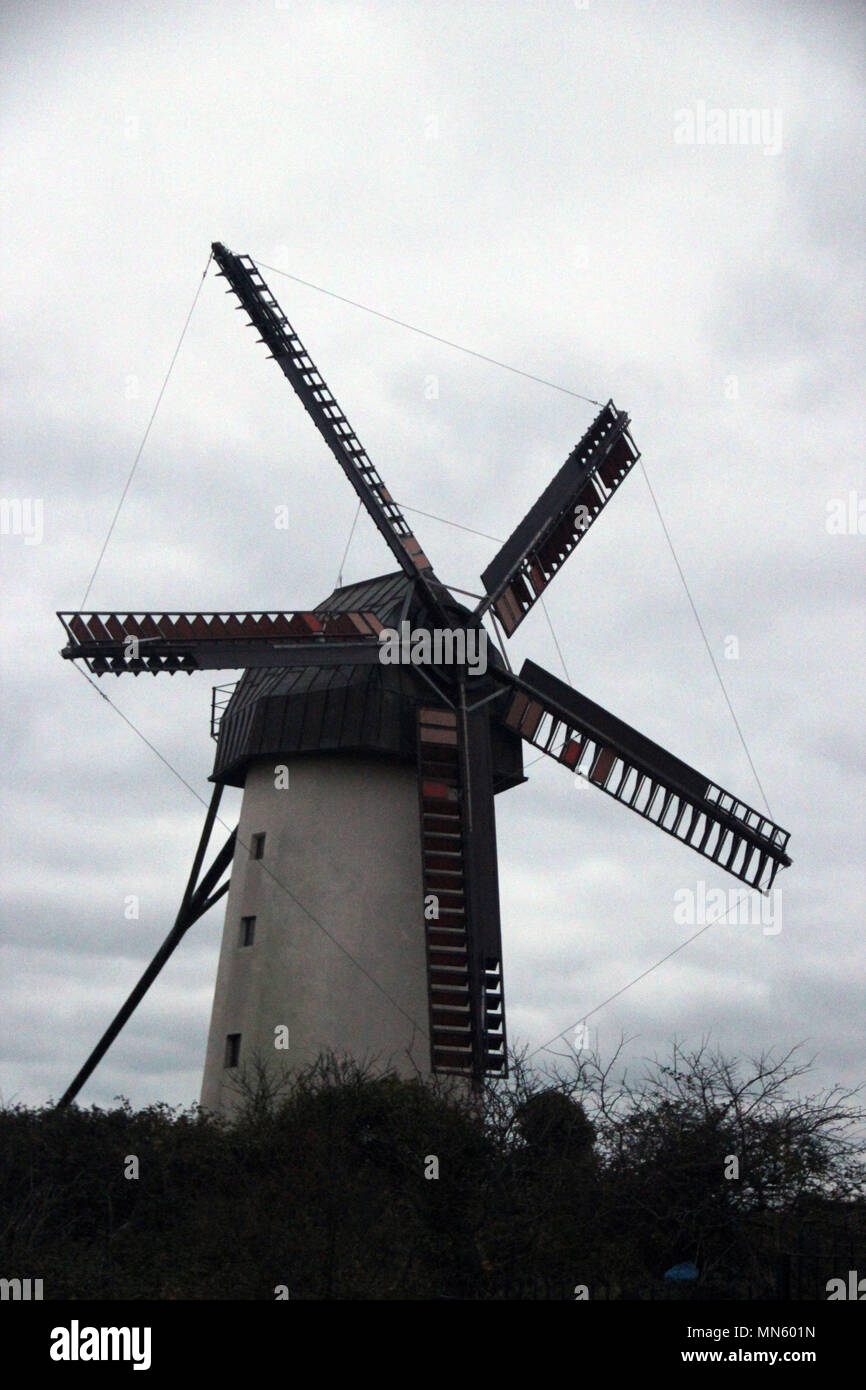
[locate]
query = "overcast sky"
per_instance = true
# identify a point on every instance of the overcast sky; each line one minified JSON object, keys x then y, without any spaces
{"x":542,"y":182}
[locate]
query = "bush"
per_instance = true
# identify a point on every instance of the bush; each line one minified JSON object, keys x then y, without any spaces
{"x":351,"y":1185}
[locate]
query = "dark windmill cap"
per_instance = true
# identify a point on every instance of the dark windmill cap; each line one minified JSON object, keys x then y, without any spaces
{"x":351,"y":707}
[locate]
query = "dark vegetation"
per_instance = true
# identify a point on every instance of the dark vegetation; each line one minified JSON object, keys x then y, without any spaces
{"x":544,"y":1184}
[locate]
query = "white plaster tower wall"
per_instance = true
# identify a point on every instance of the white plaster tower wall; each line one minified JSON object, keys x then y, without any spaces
{"x":344,"y":838}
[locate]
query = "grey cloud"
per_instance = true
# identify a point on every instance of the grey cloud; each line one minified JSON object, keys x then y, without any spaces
{"x":504,"y":176}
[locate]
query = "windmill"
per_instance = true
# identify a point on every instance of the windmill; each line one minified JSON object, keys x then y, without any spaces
{"x":364,"y":892}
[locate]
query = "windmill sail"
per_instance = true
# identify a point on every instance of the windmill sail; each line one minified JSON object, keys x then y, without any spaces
{"x":516,"y":578}
{"x":134,"y":643}
{"x":289,"y":352}
{"x":645,"y":777}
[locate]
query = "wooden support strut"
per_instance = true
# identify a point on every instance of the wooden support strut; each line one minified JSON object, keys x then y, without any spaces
{"x":198,"y":897}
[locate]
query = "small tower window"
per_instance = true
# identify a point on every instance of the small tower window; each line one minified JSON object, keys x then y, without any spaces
{"x":257,"y":846}
{"x":248,"y":931}
{"x":233,"y":1049}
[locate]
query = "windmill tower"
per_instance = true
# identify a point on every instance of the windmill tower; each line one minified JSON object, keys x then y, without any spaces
{"x":370,"y":736}
{"x":349,"y":881}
